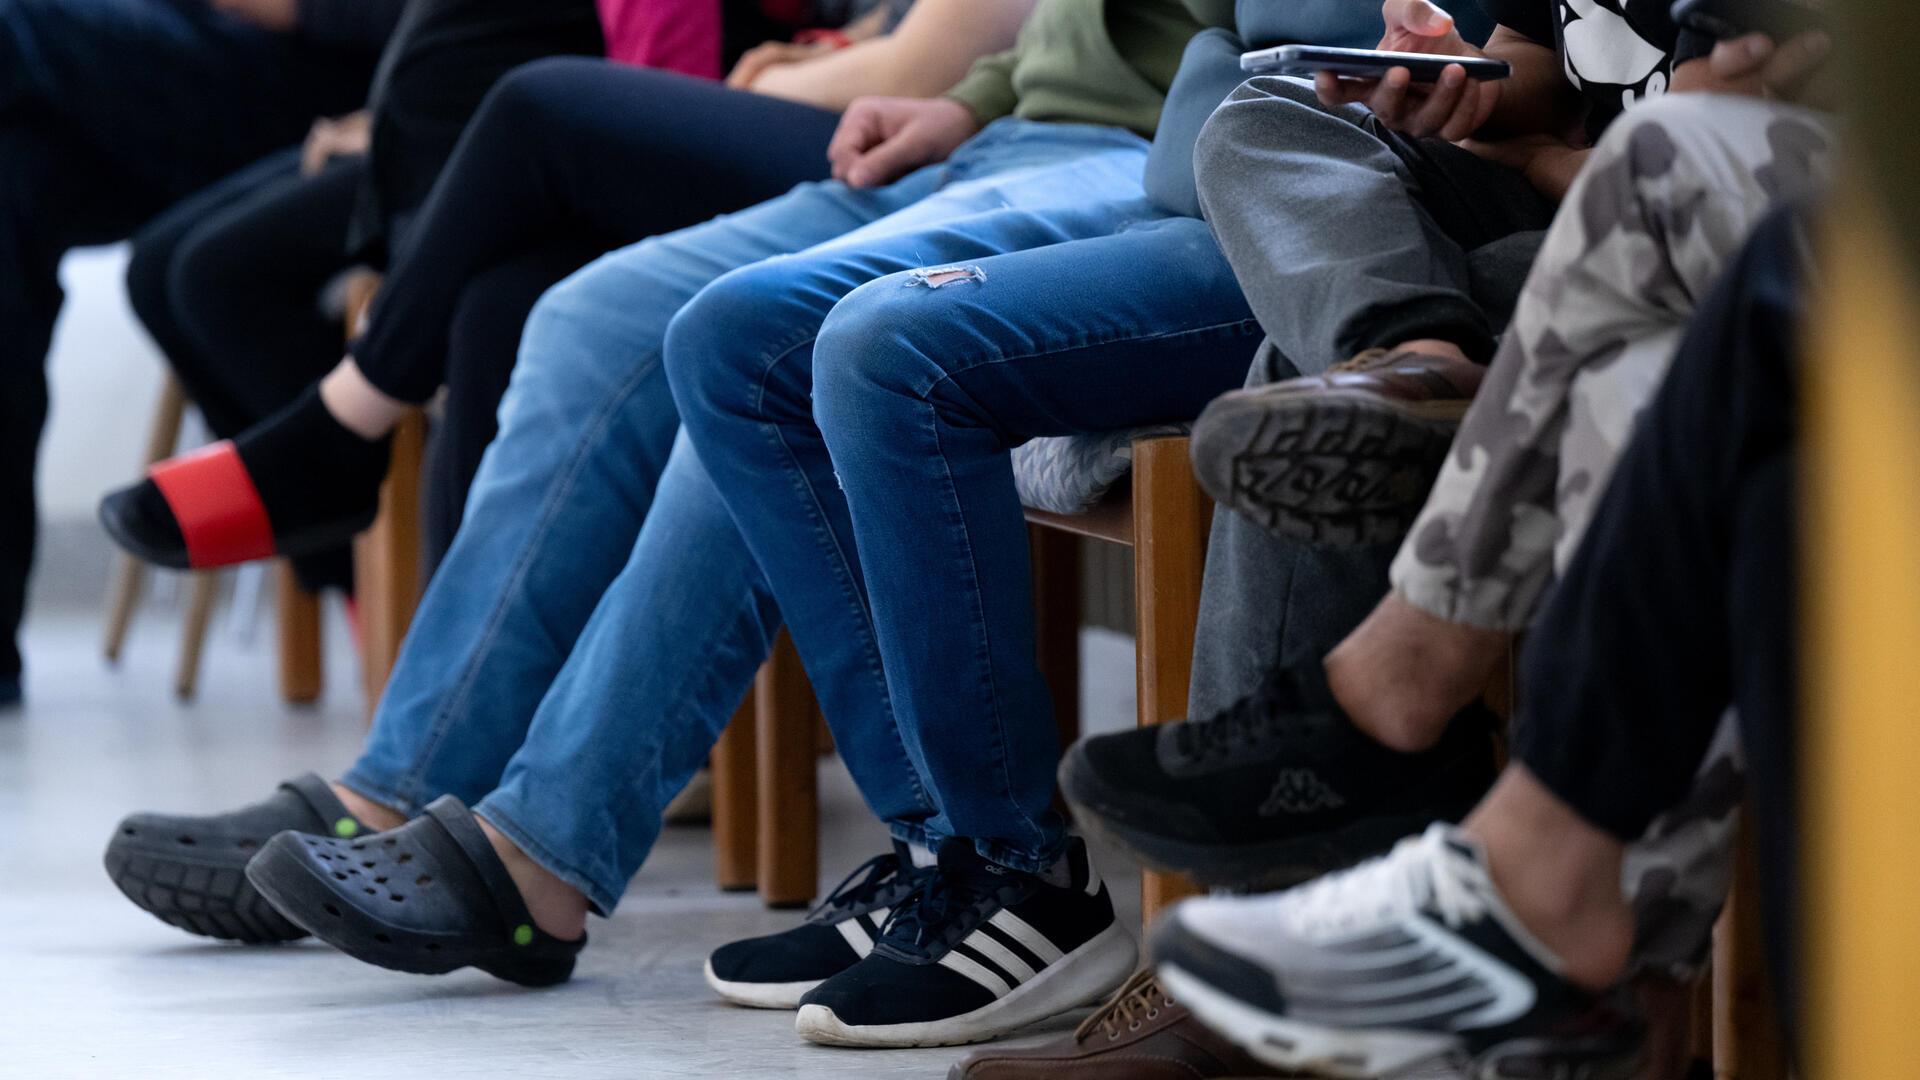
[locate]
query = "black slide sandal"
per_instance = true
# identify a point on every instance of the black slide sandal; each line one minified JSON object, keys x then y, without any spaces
{"x":190,"y":872}
{"x":428,"y":898}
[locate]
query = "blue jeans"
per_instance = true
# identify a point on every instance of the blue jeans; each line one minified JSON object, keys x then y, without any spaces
{"x":859,"y":424}
{"x":598,"y":617}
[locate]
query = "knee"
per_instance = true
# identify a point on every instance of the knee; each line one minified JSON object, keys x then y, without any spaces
{"x":1237,"y":136}
{"x":529,"y":100}
{"x":868,"y":363}
{"x":718,"y":345}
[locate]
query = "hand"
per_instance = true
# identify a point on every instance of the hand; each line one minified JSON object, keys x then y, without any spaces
{"x":1754,"y":65}
{"x":755,"y":61}
{"x":277,"y":15}
{"x":881,"y":139}
{"x":329,"y":139}
{"x":1548,"y":163}
{"x":1452,"y":109}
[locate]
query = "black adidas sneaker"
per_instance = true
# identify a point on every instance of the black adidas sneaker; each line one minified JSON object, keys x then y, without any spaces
{"x":1274,"y":790}
{"x":1408,"y":960}
{"x":774,"y":971}
{"x":975,"y":952}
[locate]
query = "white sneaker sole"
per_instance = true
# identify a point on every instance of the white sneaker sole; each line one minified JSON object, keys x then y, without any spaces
{"x":1085,"y":976}
{"x":1290,"y":1045}
{"x":759,"y":995}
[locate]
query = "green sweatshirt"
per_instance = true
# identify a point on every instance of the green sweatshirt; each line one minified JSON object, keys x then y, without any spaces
{"x":1090,"y":62}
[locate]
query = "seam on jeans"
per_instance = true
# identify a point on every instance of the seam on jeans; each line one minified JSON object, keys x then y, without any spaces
{"x":984,"y":638}
{"x":1081,"y":344}
{"x":357,"y":781}
{"x":947,"y":376}
{"x":821,"y":528}
{"x":462,"y":692}
{"x":706,"y":679}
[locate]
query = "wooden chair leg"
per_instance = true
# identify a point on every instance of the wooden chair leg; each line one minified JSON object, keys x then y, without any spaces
{"x":1171,"y":520}
{"x":736,"y":790}
{"x":193,"y":633}
{"x":129,"y":573}
{"x":297,"y":619}
{"x":387,"y":561}
{"x":1747,"y":1042}
{"x":1057,"y":616}
{"x":787,"y":722}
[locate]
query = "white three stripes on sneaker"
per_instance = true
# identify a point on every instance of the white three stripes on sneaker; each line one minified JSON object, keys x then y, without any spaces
{"x":862,"y":929}
{"x":1003,"y":953}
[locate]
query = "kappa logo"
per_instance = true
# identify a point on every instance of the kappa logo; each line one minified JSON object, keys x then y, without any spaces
{"x":1300,"y":791}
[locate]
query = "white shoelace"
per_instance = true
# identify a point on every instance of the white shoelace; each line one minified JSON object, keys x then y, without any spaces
{"x":1419,"y":871}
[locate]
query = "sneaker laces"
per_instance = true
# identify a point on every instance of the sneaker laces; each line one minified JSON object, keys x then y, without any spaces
{"x":929,"y":913}
{"x":861,"y":887}
{"x":1139,"y":1000}
{"x":1425,"y":871}
{"x":1250,"y":721}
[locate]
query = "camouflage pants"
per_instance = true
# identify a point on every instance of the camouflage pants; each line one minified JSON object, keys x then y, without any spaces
{"x":1668,"y":198}
{"x":1666,"y":201}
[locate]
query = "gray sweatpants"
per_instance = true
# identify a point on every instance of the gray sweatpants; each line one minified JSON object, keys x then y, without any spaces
{"x":1347,"y":236}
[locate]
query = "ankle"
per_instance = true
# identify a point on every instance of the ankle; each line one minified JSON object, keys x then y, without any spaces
{"x":359,"y":406}
{"x":1403,"y":674}
{"x":557,"y":907}
{"x":372,"y":814}
{"x":1559,"y":875}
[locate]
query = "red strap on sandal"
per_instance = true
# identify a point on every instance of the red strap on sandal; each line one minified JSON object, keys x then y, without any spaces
{"x":218,"y":509}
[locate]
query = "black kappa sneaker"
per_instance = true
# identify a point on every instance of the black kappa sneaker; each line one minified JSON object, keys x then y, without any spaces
{"x":190,"y":872}
{"x":775,"y":971}
{"x":1408,"y":960}
{"x":1274,"y":790}
{"x":975,"y":952}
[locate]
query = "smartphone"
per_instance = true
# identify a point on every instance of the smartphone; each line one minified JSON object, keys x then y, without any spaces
{"x":1724,"y":19}
{"x":1365,"y":63}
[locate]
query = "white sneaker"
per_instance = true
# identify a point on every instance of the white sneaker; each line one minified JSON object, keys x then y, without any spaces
{"x":1407,"y":960}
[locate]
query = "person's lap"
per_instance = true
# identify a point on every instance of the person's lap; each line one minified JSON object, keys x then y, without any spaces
{"x":569,"y":381}
{"x":561,"y":493}
{"x":1078,"y":304}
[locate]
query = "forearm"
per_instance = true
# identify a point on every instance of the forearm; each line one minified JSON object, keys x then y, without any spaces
{"x":926,"y":54}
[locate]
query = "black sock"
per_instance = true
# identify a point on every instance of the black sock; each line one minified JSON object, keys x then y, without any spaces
{"x":311,"y":470}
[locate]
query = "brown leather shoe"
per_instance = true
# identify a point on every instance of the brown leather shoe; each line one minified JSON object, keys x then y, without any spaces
{"x":1344,"y":458}
{"x":1139,"y":1035}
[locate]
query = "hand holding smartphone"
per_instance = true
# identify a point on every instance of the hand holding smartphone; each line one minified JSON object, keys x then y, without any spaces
{"x":1366,"y":63}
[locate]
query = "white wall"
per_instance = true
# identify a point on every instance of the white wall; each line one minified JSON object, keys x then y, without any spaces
{"x":106,"y":376}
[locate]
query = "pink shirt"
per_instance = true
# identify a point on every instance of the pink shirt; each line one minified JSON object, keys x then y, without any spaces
{"x":673,"y":35}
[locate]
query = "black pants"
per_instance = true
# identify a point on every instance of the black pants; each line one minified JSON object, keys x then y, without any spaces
{"x":229,"y":283}
{"x":109,"y":111}
{"x":1679,"y":602}
{"x":567,"y":159}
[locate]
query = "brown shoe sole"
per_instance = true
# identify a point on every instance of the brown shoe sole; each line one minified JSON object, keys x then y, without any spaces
{"x":1332,"y":468}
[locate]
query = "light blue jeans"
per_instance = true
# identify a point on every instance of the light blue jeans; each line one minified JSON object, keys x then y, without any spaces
{"x":598,"y":617}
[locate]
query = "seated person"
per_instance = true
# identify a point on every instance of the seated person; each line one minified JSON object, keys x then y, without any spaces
{"x":1677,"y":604}
{"x":109,"y":111}
{"x":565,"y":162}
{"x":1596,"y":324}
{"x":228,"y":282}
{"x":569,"y":704}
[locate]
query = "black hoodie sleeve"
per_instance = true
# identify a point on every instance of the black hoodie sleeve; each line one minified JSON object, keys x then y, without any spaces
{"x":358,"y":25}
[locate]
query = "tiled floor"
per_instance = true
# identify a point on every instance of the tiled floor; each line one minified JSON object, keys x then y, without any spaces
{"x":92,"y":987}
